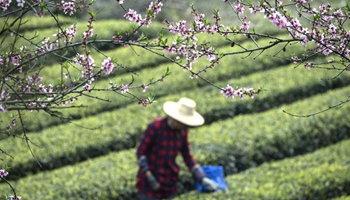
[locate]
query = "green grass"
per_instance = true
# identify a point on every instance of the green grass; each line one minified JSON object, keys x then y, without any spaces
{"x":119,"y":132}
{"x":322,"y":174}
{"x":219,"y":143}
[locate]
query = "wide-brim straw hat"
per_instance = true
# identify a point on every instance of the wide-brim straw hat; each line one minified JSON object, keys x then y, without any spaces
{"x":184,"y":111}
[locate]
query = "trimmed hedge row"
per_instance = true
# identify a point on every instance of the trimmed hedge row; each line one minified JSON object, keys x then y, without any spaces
{"x":342,"y":198}
{"x":250,"y":140}
{"x":231,"y":143}
{"x":170,"y":85}
{"x":320,"y":175}
{"x":120,"y":132}
{"x":104,"y":29}
{"x":30,"y":23}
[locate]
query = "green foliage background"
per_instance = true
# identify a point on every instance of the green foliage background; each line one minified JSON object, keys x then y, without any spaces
{"x":266,"y":153}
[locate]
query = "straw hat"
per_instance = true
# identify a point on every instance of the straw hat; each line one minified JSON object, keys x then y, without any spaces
{"x":184,"y":112}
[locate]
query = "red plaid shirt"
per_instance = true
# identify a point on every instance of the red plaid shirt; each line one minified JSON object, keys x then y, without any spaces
{"x":161,"y":144}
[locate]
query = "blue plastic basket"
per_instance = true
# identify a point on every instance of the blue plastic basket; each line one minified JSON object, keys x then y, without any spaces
{"x":215,"y":173}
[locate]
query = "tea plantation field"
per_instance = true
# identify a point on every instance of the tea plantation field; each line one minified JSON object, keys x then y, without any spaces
{"x":266,"y":153}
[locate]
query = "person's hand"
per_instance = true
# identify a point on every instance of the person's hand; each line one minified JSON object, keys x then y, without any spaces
{"x":152,"y":181}
{"x":210,"y":184}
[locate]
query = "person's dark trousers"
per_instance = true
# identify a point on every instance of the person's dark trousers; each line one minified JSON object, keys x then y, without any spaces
{"x":144,"y":197}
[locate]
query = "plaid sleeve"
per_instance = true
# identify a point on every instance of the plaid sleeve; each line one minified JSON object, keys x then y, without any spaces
{"x":186,"y":154}
{"x":146,"y":141}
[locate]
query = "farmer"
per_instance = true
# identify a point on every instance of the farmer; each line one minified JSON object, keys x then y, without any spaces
{"x":159,"y":145}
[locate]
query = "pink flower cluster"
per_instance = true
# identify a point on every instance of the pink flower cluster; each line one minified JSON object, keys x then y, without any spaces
{"x":229,"y":92}
{"x":179,"y":28}
{"x":187,"y":47}
{"x":4,"y":4}
{"x":15,"y":198}
{"x":107,"y":65}
{"x":67,"y":35}
{"x":69,"y":7}
{"x":309,"y":65}
{"x":20,"y":3}
{"x":47,"y":45}
{"x":13,"y":58}
{"x":144,"y":87}
{"x":88,"y":33}
{"x":124,"y":88}
{"x":239,"y":7}
{"x":3,"y":96}
{"x":144,"y":102}
{"x":133,"y":16}
{"x":326,"y":28}
{"x":152,"y":12}
{"x":277,"y":19}
{"x":31,"y":81}
{"x":88,"y":64}
{"x":3,"y":173}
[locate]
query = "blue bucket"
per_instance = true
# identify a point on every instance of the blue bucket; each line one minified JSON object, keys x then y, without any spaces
{"x":215,"y":173}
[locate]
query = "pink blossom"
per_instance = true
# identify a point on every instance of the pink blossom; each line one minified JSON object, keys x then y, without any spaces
{"x":144,"y":86}
{"x":245,"y":26}
{"x":91,"y":79}
{"x":171,"y":49}
{"x":277,"y":19}
{"x":239,"y":7}
{"x":20,"y":3}
{"x":14,"y":58}
{"x":211,"y":57}
{"x":328,"y":50}
{"x":178,"y":28}
{"x":31,"y":104}
{"x":3,"y":173}
{"x":3,"y":107}
{"x":69,"y":7}
{"x":17,"y":198}
{"x":108,"y":66}
{"x":182,"y":49}
{"x":213,"y":29}
{"x":132,"y":16}
{"x":144,"y":102}
{"x":64,"y":103}
{"x":228,"y":92}
{"x":4,"y":4}
{"x":333,"y":30}
{"x":2,"y":94}
{"x":250,"y":92}
{"x":88,"y":33}
{"x":295,"y":59}
{"x":27,"y":88}
{"x":309,"y":65}
{"x":124,"y":88}
{"x":199,"y":22}
{"x":120,"y":1}
{"x":42,"y":88}
{"x":69,"y":34}
{"x":87,"y":87}
{"x":338,"y":12}
{"x":347,"y":52}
